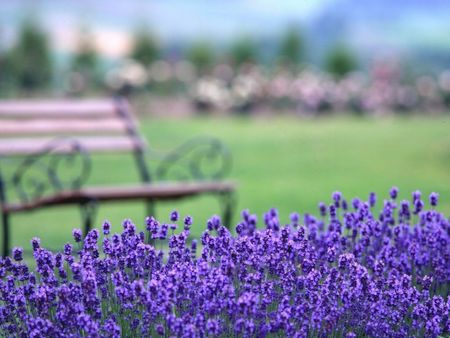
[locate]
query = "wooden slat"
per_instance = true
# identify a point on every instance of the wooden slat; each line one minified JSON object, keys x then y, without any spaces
{"x":26,"y":146}
{"x":146,"y":191}
{"x":58,"y":126}
{"x":58,"y":108}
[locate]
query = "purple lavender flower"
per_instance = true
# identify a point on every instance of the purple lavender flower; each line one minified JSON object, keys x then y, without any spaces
{"x":336,"y":196}
{"x":160,"y":329}
{"x":394,"y":193}
{"x":106,"y":227}
{"x":188,"y":221}
{"x":152,"y":226}
{"x":356,"y":202}
{"x":372,"y":199}
{"x":163,"y":231}
{"x":332,"y":210}
{"x":322,"y":209}
{"x":17,"y":254}
{"x":416,"y":195}
{"x":77,"y":234}
{"x":35,"y":243}
{"x":194,"y":244}
{"x":67,"y":249}
{"x":434,"y":199}
{"x":174,"y":216}
{"x":344,"y":205}
{"x":418,"y":206}
{"x":215,"y":222}
{"x":404,"y":210}
{"x":212,"y":327}
{"x":111,"y":329}
{"x":294,"y":217}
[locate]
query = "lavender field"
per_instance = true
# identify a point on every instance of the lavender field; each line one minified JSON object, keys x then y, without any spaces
{"x":344,"y":271}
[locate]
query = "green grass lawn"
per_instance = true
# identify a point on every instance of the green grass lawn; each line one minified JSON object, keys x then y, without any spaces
{"x":287,"y":163}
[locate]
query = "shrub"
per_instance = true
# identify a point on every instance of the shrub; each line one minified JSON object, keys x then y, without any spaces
{"x":146,"y":49}
{"x":244,"y":50}
{"x":340,"y":61}
{"x":343,"y":273}
{"x":292,"y":47}
{"x":201,"y":55}
{"x":29,"y":62}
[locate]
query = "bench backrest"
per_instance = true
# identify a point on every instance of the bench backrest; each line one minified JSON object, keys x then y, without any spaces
{"x":98,"y":125}
{"x":33,"y":129}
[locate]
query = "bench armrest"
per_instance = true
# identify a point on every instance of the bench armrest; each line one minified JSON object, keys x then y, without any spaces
{"x":62,"y":164}
{"x":200,"y":158}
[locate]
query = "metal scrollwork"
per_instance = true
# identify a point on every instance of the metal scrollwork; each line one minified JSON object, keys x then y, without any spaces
{"x":201,"y":158}
{"x":62,"y":164}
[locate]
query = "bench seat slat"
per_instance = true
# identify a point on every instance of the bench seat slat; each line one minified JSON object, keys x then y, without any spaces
{"x":160,"y":191}
{"x":27,"y":146}
{"x":47,"y":126}
{"x":58,"y":108}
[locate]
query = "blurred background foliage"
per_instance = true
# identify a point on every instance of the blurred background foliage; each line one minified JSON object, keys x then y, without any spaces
{"x":201,"y":55}
{"x":292,"y":48}
{"x":84,"y":69}
{"x":340,"y":61}
{"x":246,"y":74}
{"x":145,"y":48}
{"x":27,"y":66}
{"x":307,"y":66}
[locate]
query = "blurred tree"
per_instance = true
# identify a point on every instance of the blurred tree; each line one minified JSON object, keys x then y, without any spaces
{"x":145,"y":49}
{"x":5,"y":74}
{"x":340,"y":61}
{"x":85,"y":62}
{"x":201,"y":55}
{"x":291,"y":48}
{"x":3,"y":66}
{"x":243,"y":50}
{"x":29,"y":61}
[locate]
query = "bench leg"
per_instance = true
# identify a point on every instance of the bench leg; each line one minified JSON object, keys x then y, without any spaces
{"x":5,"y":225}
{"x":150,"y":208}
{"x":228,"y":201}
{"x":88,"y":213}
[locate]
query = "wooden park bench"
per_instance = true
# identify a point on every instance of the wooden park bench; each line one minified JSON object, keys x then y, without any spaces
{"x":42,"y":138}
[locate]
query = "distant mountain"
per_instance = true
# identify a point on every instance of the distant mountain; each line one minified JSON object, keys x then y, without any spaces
{"x":416,"y":29}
